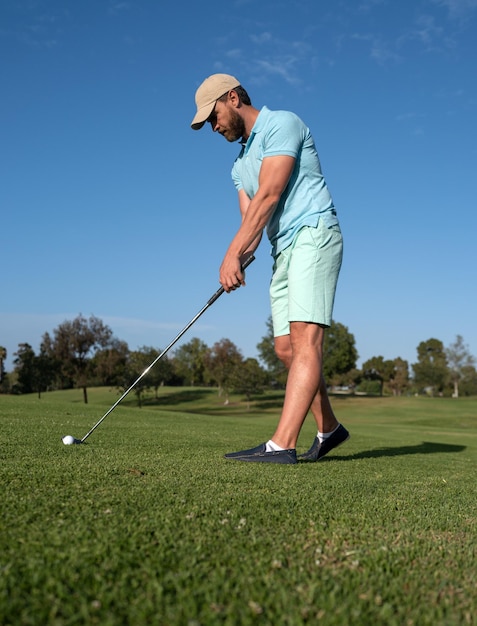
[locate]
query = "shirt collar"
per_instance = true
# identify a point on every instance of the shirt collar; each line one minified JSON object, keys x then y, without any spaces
{"x":257,"y":127}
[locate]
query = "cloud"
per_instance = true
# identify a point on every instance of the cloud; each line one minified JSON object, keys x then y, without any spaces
{"x":458,"y":9}
{"x":275,"y":56}
{"x":403,"y":117}
{"x":412,"y":122}
{"x":261,"y":39}
{"x":284,"y":67}
{"x":427,"y":33}
{"x":234,"y":53}
{"x":379,"y":50}
{"x":368,"y":5}
{"x":116,"y":6}
{"x":427,"y":28}
{"x":42,"y":32}
{"x":268,"y":53}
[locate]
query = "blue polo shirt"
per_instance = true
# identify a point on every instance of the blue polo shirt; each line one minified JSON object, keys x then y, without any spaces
{"x":306,"y":198}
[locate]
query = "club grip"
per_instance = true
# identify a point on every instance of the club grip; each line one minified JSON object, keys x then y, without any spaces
{"x":221,"y":290}
{"x":247,"y":262}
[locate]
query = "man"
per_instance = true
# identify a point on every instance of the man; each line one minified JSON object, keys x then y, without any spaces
{"x":281,"y":188}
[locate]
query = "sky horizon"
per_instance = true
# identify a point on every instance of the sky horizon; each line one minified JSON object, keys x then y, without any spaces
{"x":112,"y":206}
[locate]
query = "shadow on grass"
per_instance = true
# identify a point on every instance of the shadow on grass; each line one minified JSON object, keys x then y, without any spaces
{"x":273,"y":400}
{"x":426,"y":447}
{"x":178,"y":397}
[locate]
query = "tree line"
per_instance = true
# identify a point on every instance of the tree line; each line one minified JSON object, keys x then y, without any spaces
{"x":83,"y":353}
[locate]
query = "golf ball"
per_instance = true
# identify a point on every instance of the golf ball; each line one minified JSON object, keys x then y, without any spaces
{"x":68,"y":440}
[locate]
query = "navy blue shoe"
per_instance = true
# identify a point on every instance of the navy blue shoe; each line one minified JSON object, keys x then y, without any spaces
{"x":318,"y":450}
{"x":260,"y":455}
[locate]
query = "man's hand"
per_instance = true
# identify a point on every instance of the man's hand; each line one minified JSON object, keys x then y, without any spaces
{"x":231,"y":276}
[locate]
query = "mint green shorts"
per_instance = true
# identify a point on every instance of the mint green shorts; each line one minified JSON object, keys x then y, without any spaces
{"x":304,"y":279}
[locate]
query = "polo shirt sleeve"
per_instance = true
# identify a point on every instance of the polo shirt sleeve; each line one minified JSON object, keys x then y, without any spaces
{"x":284,"y":135}
{"x":236,"y":177}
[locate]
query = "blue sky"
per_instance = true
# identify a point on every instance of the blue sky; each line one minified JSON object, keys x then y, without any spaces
{"x":112,"y":206}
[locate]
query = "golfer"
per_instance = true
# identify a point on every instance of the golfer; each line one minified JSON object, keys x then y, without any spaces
{"x":281,"y":188}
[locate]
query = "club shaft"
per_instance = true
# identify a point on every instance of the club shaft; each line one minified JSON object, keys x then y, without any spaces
{"x":211,"y":300}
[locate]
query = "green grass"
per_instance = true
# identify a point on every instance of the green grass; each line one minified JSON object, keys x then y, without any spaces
{"x":146,"y":523}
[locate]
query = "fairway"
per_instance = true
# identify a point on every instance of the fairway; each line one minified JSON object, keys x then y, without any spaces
{"x":146,"y":523}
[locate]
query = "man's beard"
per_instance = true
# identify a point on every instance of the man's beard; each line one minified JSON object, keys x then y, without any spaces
{"x":235,"y":127}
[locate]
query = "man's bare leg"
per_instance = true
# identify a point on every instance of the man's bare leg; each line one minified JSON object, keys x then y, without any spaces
{"x":302,"y":353}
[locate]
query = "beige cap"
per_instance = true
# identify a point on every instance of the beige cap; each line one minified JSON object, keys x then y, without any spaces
{"x":207,"y":95}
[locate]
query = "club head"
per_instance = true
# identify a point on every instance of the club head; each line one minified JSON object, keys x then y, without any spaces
{"x":68,"y":440}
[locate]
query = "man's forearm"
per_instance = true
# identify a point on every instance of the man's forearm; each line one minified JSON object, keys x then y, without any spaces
{"x":254,"y":221}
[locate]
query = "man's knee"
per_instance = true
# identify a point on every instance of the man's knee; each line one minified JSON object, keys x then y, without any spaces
{"x":305,"y":335}
{"x":283,"y":350}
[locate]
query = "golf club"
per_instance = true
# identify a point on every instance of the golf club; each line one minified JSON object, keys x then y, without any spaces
{"x":69,"y":440}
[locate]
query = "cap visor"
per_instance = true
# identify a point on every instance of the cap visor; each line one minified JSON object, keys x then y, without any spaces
{"x":201,"y":116}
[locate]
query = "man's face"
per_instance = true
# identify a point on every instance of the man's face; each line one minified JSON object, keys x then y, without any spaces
{"x":225,"y":120}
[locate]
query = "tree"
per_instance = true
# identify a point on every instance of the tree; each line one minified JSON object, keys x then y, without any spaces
{"x":34,"y":373}
{"x":8,"y":382}
{"x":23,"y":366}
{"x":73,"y":345}
{"x":468,"y":382}
{"x":339,"y":351}
{"x":110,"y":363}
{"x":220,"y":361}
{"x":137,"y":363}
{"x":394,"y":374}
{"x":458,"y":359}
{"x":377,"y":368}
{"x":248,"y":378}
{"x":266,"y":351}
{"x":399,"y":380}
{"x":189,"y":361}
{"x":3,"y":356}
{"x":350,"y":379}
{"x":431,"y":370}
{"x":161,"y":373}
{"x":46,"y":370}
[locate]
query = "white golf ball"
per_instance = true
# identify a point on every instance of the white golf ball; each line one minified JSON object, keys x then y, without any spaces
{"x":68,"y":440}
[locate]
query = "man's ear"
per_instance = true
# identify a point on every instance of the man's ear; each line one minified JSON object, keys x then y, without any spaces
{"x":234,"y":98}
